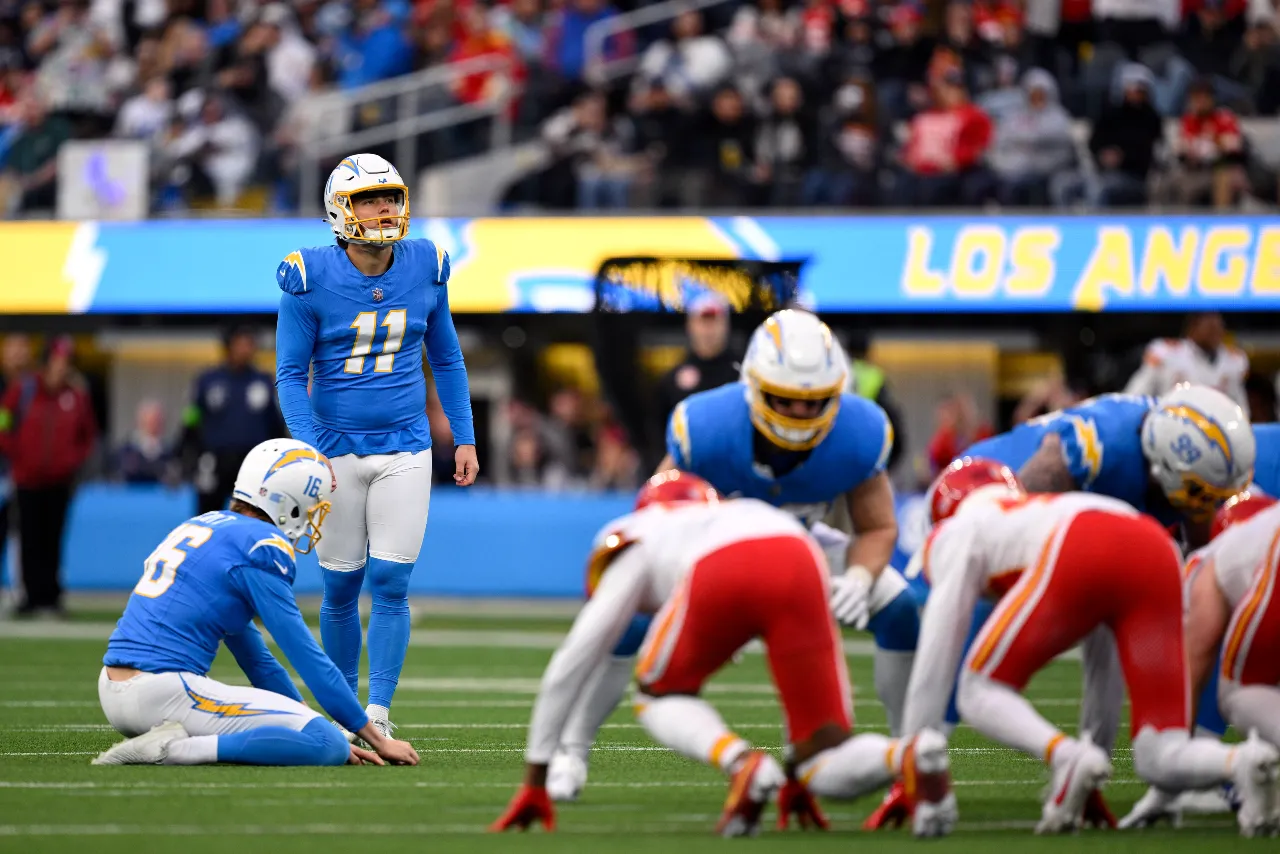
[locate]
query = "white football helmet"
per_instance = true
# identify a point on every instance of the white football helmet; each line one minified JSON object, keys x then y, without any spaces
{"x":794,"y":357}
{"x":1200,"y":447}
{"x":364,"y":173}
{"x":290,"y":482}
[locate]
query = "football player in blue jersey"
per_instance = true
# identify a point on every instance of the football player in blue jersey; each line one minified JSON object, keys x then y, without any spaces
{"x":789,"y":435}
{"x":358,"y":316}
{"x":1176,"y":457}
{"x":202,"y":586}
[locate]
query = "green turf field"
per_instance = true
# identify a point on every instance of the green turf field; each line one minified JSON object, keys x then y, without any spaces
{"x":464,"y":705}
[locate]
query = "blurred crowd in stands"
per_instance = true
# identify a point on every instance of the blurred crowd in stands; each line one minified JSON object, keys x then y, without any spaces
{"x":742,"y":103}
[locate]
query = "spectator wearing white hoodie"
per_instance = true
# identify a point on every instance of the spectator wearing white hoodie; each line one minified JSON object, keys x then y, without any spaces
{"x":290,"y":57}
{"x":1033,"y":143}
{"x":691,"y":64}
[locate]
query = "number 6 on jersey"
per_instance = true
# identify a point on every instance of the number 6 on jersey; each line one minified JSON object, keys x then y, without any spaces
{"x":168,"y":556}
{"x":366,"y":325}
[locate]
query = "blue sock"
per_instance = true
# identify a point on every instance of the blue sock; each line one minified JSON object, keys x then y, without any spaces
{"x":896,"y":626}
{"x":317,"y":743}
{"x":388,"y":627}
{"x":980,"y":614}
{"x":1209,"y":716}
{"x":340,"y":622}
{"x":629,"y":643}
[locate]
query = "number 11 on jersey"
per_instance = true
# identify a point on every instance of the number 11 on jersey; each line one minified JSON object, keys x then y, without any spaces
{"x":366,"y":326}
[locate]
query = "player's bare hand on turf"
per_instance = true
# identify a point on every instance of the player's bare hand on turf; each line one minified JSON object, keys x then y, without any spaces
{"x":398,"y":752}
{"x":360,"y":756}
{"x":467,"y":465}
{"x":529,"y":806}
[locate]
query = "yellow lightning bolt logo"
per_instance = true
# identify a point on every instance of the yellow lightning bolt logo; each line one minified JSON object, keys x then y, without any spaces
{"x":225,"y":710}
{"x":295,"y":455}
{"x":294,"y":259}
{"x":1090,"y":445}
{"x":277,"y":542}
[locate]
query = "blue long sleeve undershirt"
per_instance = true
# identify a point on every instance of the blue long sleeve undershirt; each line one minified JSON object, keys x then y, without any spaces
{"x":296,"y":330}
{"x":257,"y":662}
{"x":444,"y":353}
{"x":273,"y":601}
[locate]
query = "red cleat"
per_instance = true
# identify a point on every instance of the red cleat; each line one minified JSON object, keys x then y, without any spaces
{"x":794,"y":798}
{"x":750,"y":790}
{"x":893,"y":810}
{"x":528,"y":807}
{"x":1097,"y":813}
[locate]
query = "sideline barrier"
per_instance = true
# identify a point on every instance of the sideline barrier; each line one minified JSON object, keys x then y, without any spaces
{"x":856,"y":264}
{"x":480,"y":542}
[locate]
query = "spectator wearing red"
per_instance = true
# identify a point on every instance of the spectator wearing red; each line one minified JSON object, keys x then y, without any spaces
{"x":47,"y":431}
{"x":482,"y":40}
{"x":1211,"y":152}
{"x":943,"y":162}
{"x":959,"y":427}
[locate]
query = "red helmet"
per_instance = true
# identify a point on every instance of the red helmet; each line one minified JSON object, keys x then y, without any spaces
{"x":1238,"y":508}
{"x":962,"y":477}
{"x":672,"y":486}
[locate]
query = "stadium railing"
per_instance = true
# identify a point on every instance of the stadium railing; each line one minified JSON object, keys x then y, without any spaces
{"x":406,"y":102}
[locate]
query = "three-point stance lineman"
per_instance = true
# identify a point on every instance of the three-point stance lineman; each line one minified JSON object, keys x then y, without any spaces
{"x":360,"y":313}
{"x":203,"y":586}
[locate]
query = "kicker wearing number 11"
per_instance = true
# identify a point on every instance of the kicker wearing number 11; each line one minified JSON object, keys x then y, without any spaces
{"x":360,"y":314}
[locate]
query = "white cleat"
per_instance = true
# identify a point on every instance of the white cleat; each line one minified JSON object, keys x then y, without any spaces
{"x":1152,"y":808}
{"x":928,"y":770}
{"x":1257,"y":779}
{"x":1073,"y":782}
{"x":150,"y":748}
{"x":382,"y":725}
{"x":350,"y":736}
{"x":1204,"y":802}
{"x":566,"y":776}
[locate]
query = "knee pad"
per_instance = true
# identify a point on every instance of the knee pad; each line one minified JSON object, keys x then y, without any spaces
{"x":630,"y":641}
{"x":331,"y":745}
{"x":342,"y":586}
{"x":896,"y":626}
{"x":388,"y":579}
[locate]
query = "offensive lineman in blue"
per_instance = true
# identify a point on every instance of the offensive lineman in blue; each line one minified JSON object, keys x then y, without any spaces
{"x":201,"y":587}
{"x":361,"y":314}
{"x":788,"y":435}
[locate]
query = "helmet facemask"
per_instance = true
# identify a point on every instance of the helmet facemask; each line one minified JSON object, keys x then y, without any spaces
{"x":793,"y":419}
{"x":1192,"y":495}
{"x":373,"y":230}
{"x":310,"y":535}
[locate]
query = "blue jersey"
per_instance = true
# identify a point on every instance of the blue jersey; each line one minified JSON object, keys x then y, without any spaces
{"x":1266,"y":472}
{"x":710,"y":434}
{"x":203,"y":586}
{"x":1101,"y":446}
{"x":365,"y":337}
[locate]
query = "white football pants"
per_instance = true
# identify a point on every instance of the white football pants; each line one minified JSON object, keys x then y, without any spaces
{"x":202,"y":705}
{"x":380,"y":507}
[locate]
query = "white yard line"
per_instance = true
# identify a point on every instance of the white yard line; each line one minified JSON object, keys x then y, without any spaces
{"x":519,"y":748}
{"x":160,"y":787}
{"x":442,"y":638}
